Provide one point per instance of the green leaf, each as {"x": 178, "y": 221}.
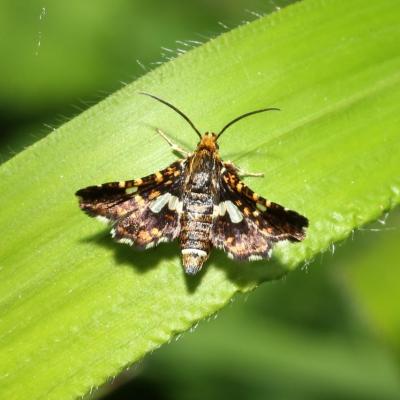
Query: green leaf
{"x": 77, "y": 308}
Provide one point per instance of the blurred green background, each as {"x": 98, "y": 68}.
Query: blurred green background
{"x": 329, "y": 330}
{"x": 59, "y": 58}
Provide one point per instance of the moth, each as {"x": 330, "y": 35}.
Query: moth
{"x": 199, "y": 199}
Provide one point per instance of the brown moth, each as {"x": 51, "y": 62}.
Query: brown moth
{"x": 199, "y": 199}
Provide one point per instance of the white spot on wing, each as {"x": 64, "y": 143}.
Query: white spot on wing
{"x": 125, "y": 240}
{"x": 261, "y": 207}
{"x": 234, "y": 213}
{"x": 100, "y": 218}
{"x": 131, "y": 190}
{"x": 113, "y": 232}
{"x": 179, "y": 207}
{"x": 157, "y": 205}
{"x": 173, "y": 203}
{"x": 255, "y": 257}
{"x": 222, "y": 209}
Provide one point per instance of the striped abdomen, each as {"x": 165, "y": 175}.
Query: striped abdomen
{"x": 197, "y": 211}
{"x": 196, "y": 224}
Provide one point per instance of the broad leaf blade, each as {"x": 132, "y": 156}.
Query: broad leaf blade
{"x": 77, "y": 308}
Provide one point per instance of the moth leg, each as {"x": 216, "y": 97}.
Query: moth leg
{"x": 229, "y": 165}
{"x": 174, "y": 146}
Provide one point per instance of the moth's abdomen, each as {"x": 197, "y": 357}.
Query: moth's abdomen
{"x": 196, "y": 226}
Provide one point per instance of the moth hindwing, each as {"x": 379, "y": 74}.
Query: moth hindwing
{"x": 200, "y": 200}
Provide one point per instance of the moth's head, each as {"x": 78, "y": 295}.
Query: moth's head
{"x": 208, "y": 142}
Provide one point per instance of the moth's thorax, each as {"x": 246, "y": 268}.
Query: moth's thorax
{"x": 203, "y": 167}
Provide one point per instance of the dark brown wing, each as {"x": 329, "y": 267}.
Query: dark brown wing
{"x": 248, "y": 225}
{"x": 143, "y": 228}
{"x": 144, "y": 211}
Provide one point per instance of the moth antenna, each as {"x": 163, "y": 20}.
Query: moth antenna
{"x": 175, "y": 109}
{"x": 244, "y": 116}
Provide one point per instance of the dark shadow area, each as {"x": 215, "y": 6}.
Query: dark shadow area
{"x": 240, "y": 273}
{"x": 243, "y": 273}
{"x": 142, "y": 388}
{"x": 145, "y": 260}
{"x": 193, "y": 281}
{"x": 142, "y": 260}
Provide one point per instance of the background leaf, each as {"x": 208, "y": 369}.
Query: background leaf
{"x": 63, "y": 57}
{"x": 77, "y": 308}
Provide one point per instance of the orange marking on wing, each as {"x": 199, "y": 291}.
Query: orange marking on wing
{"x": 159, "y": 177}
{"x": 155, "y": 232}
{"x": 138, "y": 182}
{"x": 139, "y": 200}
{"x": 144, "y": 236}
{"x": 154, "y": 194}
